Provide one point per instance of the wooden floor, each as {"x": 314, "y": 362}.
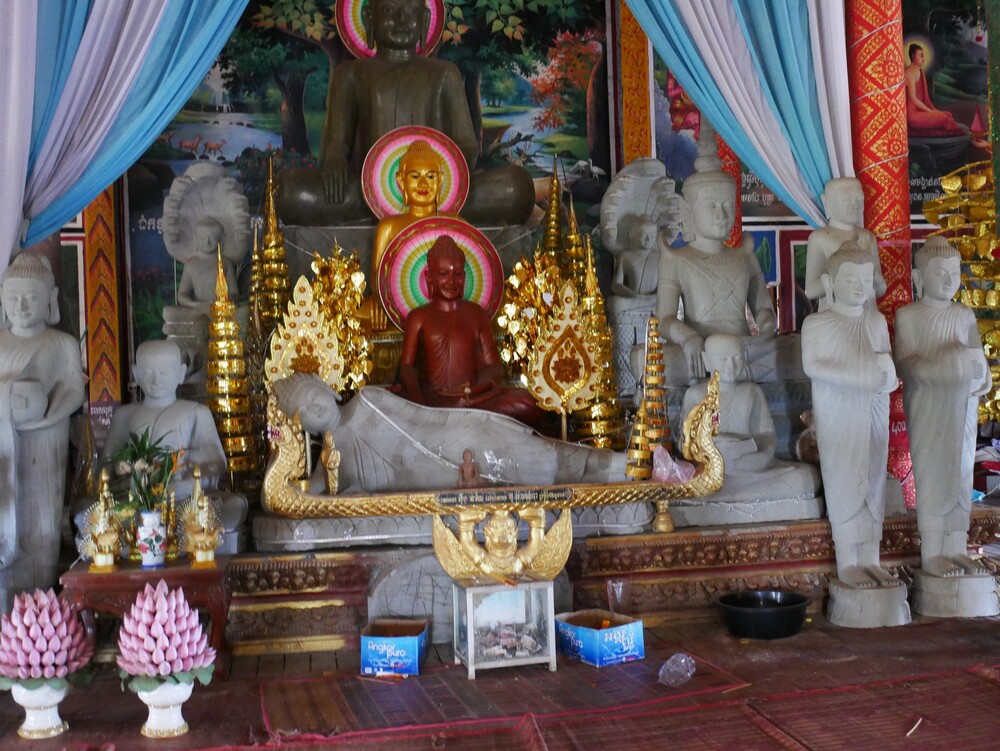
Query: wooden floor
{"x": 228, "y": 713}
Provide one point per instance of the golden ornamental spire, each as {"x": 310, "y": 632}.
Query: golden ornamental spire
{"x": 640, "y": 454}
{"x": 602, "y": 422}
{"x": 552, "y": 232}
{"x": 272, "y": 229}
{"x": 654, "y": 394}
{"x": 256, "y": 269}
{"x": 227, "y": 386}
{"x": 573, "y": 258}
{"x": 272, "y": 270}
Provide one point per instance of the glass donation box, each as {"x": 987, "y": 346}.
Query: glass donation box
{"x": 499, "y": 625}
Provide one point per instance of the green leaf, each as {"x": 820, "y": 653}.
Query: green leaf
{"x": 457, "y": 13}
{"x": 143, "y": 683}
{"x": 491, "y": 16}
{"x": 497, "y": 25}
{"x": 204, "y": 674}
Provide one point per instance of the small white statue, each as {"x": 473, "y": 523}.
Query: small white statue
{"x": 844, "y": 203}
{"x": 176, "y": 423}
{"x": 204, "y": 211}
{"x": 389, "y": 443}
{"x": 41, "y": 385}
{"x": 633, "y": 285}
{"x": 197, "y": 285}
{"x": 747, "y": 439}
{"x": 845, "y": 351}
{"x": 641, "y": 203}
{"x": 944, "y": 371}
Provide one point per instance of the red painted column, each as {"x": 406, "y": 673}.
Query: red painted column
{"x": 878, "y": 126}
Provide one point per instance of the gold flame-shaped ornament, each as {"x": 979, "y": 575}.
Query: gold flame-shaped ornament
{"x": 304, "y": 342}
{"x": 562, "y": 376}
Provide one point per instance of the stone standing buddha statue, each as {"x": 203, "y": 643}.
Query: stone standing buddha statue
{"x": 845, "y": 352}
{"x": 368, "y": 98}
{"x": 747, "y": 439}
{"x": 844, "y": 203}
{"x": 944, "y": 371}
{"x": 41, "y": 385}
{"x": 450, "y": 357}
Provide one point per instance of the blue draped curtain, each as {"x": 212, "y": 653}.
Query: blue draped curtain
{"x": 187, "y": 40}
{"x": 749, "y": 66}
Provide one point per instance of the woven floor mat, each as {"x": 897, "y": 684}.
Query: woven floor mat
{"x": 926, "y": 712}
{"x": 348, "y": 703}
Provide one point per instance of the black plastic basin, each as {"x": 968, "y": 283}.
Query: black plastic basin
{"x": 763, "y": 613}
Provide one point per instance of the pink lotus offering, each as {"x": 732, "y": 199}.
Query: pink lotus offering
{"x": 42, "y": 640}
{"x": 161, "y": 639}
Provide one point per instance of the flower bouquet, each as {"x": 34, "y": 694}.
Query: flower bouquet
{"x": 162, "y": 652}
{"x": 43, "y": 646}
{"x": 149, "y": 467}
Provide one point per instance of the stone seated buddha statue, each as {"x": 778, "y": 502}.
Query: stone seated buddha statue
{"x": 177, "y": 424}
{"x": 450, "y": 357}
{"x": 372, "y": 96}
{"x": 716, "y": 286}
{"x": 757, "y": 486}
{"x": 204, "y": 212}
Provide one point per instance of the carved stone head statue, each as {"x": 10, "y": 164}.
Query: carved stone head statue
{"x": 29, "y": 294}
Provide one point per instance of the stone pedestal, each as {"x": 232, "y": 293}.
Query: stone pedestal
{"x": 867, "y": 608}
{"x": 955, "y": 597}
{"x": 702, "y": 512}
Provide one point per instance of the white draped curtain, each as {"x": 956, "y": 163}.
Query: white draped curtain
{"x": 17, "y": 84}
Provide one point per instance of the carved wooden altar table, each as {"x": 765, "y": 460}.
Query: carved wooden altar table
{"x": 206, "y": 589}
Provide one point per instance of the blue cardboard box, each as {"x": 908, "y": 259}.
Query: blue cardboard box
{"x": 599, "y": 637}
{"x": 391, "y": 646}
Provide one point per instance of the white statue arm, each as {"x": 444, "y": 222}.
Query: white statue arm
{"x": 618, "y": 286}
{"x": 668, "y": 300}
{"x": 757, "y": 295}
{"x": 875, "y": 372}
{"x": 205, "y": 450}
{"x": 815, "y": 266}
{"x": 950, "y": 363}
{"x": 118, "y": 433}
{"x": 67, "y": 394}
{"x": 185, "y": 290}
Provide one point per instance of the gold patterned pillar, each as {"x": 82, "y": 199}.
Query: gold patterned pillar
{"x": 635, "y": 118}
{"x": 878, "y": 126}
{"x": 101, "y": 274}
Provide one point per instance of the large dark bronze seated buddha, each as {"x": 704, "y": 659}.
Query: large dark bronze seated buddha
{"x": 370, "y": 97}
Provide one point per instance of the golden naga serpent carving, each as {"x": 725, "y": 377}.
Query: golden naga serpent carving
{"x": 545, "y": 553}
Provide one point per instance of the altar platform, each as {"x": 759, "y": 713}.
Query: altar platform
{"x": 319, "y": 601}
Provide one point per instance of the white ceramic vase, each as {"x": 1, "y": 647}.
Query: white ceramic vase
{"x": 41, "y": 711}
{"x": 165, "y": 719}
{"x": 151, "y": 538}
